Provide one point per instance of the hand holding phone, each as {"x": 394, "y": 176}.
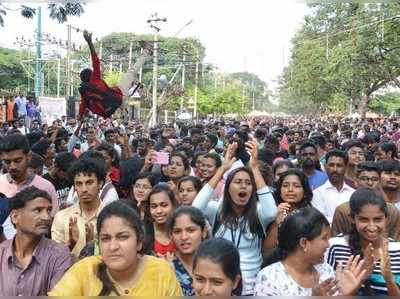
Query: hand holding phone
{"x": 161, "y": 158}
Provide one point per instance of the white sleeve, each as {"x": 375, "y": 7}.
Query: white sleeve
{"x": 204, "y": 203}
{"x": 266, "y": 207}
{"x": 110, "y": 196}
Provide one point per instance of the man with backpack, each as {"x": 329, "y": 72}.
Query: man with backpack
{"x": 96, "y": 95}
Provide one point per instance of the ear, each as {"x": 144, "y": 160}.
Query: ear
{"x": 101, "y": 184}
{"x": 14, "y": 216}
{"x": 303, "y": 243}
{"x": 236, "y": 281}
{"x": 204, "y": 233}
{"x": 29, "y": 156}
{"x": 139, "y": 246}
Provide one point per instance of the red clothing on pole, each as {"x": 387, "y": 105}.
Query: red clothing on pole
{"x": 93, "y": 101}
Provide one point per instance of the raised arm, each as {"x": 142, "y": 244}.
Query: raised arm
{"x": 205, "y": 194}
{"x": 95, "y": 60}
{"x": 251, "y": 145}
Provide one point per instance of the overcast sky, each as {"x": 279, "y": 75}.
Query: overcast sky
{"x": 239, "y": 35}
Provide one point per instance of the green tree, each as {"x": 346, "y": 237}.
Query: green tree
{"x": 344, "y": 51}
{"x": 58, "y": 11}
{"x": 12, "y": 74}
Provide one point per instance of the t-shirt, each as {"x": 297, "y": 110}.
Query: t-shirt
{"x": 164, "y": 248}
{"x": 62, "y": 188}
{"x": 340, "y": 251}
{"x": 274, "y": 280}
{"x": 317, "y": 179}
{"x": 157, "y": 279}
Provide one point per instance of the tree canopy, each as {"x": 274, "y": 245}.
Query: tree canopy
{"x": 343, "y": 54}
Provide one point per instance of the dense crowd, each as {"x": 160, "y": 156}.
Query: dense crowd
{"x": 263, "y": 206}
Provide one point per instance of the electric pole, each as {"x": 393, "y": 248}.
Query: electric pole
{"x": 154, "y": 23}
{"x": 38, "y": 68}
{"x": 196, "y": 82}
{"x": 68, "y": 61}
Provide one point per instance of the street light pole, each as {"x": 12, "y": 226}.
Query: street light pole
{"x": 38, "y": 68}
{"x": 196, "y": 82}
{"x": 154, "y": 21}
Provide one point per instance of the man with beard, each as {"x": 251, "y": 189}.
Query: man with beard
{"x": 30, "y": 263}
{"x": 307, "y": 160}
{"x": 15, "y": 153}
{"x": 355, "y": 152}
{"x": 390, "y": 181}
{"x": 335, "y": 191}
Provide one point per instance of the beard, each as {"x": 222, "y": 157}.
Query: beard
{"x": 308, "y": 163}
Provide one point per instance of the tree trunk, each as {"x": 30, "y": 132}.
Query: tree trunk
{"x": 362, "y": 109}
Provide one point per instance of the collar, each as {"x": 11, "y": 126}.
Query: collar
{"x": 76, "y": 210}
{"x": 328, "y": 185}
{"x": 28, "y": 180}
{"x": 36, "y": 255}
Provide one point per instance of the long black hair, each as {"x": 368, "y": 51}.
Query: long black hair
{"x": 306, "y": 223}
{"x": 148, "y": 243}
{"x": 223, "y": 253}
{"x": 360, "y": 198}
{"x": 127, "y": 212}
{"x": 228, "y": 216}
{"x": 308, "y": 194}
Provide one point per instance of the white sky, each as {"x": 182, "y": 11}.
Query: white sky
{"x": 239, "y": 35}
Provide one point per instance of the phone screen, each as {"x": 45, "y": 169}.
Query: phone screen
{"x": 162, "y": 158}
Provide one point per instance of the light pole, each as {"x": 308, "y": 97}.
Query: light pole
{"x": 38, "y": 68}
{"x": 154, "y": 23}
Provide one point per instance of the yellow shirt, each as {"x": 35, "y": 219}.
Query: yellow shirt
{"x": 60, "y": 227}
{"x": 157, "y": 279}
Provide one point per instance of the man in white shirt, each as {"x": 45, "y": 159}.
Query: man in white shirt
{"x": 335, "y": 191}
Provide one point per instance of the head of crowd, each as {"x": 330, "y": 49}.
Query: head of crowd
{"x": 263, "y": 206}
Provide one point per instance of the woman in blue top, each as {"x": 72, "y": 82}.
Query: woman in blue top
{"x": 244, "y": 212}
{"x": 188, "y": 228}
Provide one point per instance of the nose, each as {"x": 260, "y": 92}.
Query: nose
{"x": 45, "y": 215}
{"x": 114, "y": 245}
{"x": 371, "y": 226}
{"x": 207, "y": 290}
{"x": 184, "y": 235}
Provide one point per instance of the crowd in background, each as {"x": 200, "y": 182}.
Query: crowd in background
{"x": 262, "y": 206}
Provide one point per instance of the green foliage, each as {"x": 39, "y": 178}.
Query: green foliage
{"x": 11, "y": 71}
{"x": 58, "y": 11}
{"x": 343, "y": 51}
{"x": 386, "y": 103}
{"x": 112, "y": 78}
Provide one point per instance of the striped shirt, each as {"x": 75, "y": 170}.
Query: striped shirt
{"x": 340, "y": 251}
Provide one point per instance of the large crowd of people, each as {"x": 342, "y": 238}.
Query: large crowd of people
{"x": 260, "y": 206}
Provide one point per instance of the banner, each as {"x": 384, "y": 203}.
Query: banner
{"x": 52, "y": 108}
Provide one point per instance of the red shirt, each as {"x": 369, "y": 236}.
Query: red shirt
{"x": 92, "y": 101}
{"x": 163, "y": 249}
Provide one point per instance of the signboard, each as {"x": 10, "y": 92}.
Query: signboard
{"x": 52, "y": 108}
